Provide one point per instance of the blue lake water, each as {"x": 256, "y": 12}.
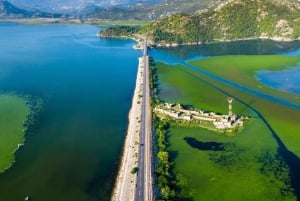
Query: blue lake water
{"x": 87, "y": 84}
{"x": 286, "y": 80}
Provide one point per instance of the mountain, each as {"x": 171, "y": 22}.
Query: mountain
{"x": 67, "y": 6}
{"x": 154, "y": 11}
{"x": 117, "y": 9}
{"x": 8, "y": 10}
{"x": 112, "y": 9}
{"x": 231, "y": 20}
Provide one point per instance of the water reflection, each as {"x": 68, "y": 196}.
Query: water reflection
{"x": 251, "y": 47}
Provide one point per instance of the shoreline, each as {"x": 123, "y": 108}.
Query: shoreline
{"x": 215, "y": 41}
{"x": 170, "y": 45}
{"x": 73, "y": 21}
{"x": 124, "y": 187}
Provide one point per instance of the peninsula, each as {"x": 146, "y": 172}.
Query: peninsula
{"x": 230, "y": 21}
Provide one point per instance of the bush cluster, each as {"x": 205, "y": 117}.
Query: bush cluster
{"x": 165, "y": 180}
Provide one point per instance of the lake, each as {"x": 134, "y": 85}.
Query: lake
{"x": 87, "y": 84}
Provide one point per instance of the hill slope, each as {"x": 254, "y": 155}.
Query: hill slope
{"x": 147, "y": 11}
{"x": 233, "y": 20}
{"x": 67, "y": 6}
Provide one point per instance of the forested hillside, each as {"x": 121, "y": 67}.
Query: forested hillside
{"x": 237, "y": 19}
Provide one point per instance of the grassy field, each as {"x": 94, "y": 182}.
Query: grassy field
{"x": 242, "y": 69}
{"x": 13, "y": 111}
{"x": 238, "y": 173}
{"x": 246, "y": 170}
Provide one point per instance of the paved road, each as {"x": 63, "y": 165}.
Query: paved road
{"x": 144, "y": 176}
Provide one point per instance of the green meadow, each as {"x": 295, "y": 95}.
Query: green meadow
{"x": 178, "y": 85}
{"x": 242, "y": 69}
{"x": 188, "y": 90}
{"x": 249, "y": 167}
{"x": 13, "y": 112}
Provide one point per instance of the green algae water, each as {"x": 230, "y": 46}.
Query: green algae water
{"x": 13, "y": 112}
{"x": 87, "y": 85}
{"x": 256, "y": 164}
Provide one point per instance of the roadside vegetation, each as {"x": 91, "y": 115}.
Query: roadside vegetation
{"x": 165, "y": 179}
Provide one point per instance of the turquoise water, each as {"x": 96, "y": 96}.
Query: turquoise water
{"x": 87, "y": 84}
